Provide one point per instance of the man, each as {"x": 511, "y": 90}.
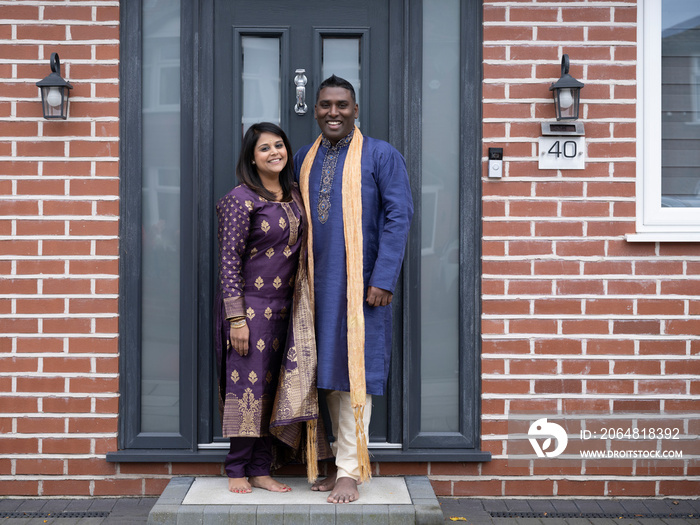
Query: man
{"x": 359, "y": 208}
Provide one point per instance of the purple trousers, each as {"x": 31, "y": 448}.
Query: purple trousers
{"x": 249, "y": 456}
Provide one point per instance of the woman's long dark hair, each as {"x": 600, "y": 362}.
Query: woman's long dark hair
{"x": 248, "y": 174}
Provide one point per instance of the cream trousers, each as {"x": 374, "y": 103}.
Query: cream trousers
{"x": 343, "y": 422}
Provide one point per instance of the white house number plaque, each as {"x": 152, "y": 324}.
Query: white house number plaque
{"x": 562, "y": 153}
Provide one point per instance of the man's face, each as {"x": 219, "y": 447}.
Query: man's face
{"x": 335, "y": 113}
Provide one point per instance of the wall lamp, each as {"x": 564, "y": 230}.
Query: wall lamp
{"x": 54, "y": 92}
{"x": 566, "y": 93}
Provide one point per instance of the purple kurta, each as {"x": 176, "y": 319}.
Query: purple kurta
{"x": 259, "y": 243}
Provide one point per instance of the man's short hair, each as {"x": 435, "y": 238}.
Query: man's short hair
{"x": 334, "y": 81}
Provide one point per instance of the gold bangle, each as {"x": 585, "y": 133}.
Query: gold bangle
{"x": 238, "y": 323}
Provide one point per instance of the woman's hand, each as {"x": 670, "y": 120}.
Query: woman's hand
{"x": 239, "y": 339}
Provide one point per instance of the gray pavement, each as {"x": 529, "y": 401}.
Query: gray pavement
{"x": 88, "y": 511}
{"x": 502, "y": 511}
{"x": 496, "y": 511}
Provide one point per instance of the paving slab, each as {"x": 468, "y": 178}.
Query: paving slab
{"x": 518, "y": 505}
{"x": 634, "y": 506}
{"x": 611, "y": 506}
{"x": 659, "y": 506}
{"x": 383, "y": 501}
{"x": 377, "y": 491}
{"x": 239, "y": 514}
{"x": 296, "y": 514}
{"x": 542, "y": 505}
{"x": 81, "y": 505}
{"x": 495, "y": 505}
{"x": 321, "y": 514}
{"x": 464, "y": 509}
{"x": 565, "y": 505}
{"x": 55, "y": 505}
{"x": 30, "y": 506}
{"x": 589, "y": 506}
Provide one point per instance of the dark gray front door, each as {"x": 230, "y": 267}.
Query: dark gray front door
{"x": 258, "y": 47}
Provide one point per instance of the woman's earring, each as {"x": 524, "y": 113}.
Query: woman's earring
{"x": 253, "y": 163}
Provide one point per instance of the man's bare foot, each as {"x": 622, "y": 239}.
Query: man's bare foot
{"x": 344, "y": 491}
{"x": 268, "y": 483}
{"x": 239, "y": 485}
{"x": 324, "y": 485}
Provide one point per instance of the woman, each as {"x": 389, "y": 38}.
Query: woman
{"x": 265, "y": 338}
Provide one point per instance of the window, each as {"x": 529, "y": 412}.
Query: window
{"x": 668, "y": 170}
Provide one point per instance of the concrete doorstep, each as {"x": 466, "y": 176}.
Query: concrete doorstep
{"x": 383, "y": 501}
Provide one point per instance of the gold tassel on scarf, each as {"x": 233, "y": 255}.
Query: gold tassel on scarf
{"x": 352, "y": 227}
{"x": 311, "y": 451}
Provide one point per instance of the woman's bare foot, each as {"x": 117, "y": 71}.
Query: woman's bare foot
{"x": 268, "y": 483}
{"x": 324, "y": 485}
{"x": 239, "y": 485}
{"x": 344, "y": 491}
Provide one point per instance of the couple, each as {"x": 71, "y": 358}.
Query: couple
{"x": 307, "y": 273}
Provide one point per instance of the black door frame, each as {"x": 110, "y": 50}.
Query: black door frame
{"x": 236, "y": 20}
{"x": 197, "y": 157}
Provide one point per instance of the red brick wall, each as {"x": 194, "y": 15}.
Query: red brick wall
{"x": 574, "y": 316}
{"x": 59, "y": 212}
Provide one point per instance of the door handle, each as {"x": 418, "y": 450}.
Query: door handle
{"x": 300, "y": 82}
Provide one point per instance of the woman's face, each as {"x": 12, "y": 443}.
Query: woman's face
{"x": 270, "y": 155}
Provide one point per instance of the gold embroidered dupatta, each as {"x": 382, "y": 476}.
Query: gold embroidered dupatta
{"x": 352, "y": 227}
{"x": 295, "y": 409}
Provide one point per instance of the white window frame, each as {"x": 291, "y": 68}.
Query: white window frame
{"x": 654, "y": 223}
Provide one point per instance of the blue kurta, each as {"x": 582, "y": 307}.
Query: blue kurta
{"x": 387, "y": 208}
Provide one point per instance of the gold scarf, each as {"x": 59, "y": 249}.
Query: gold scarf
{"x": 352, "y": 227}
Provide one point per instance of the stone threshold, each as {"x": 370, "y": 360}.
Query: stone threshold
{"x": 383, "y": 501}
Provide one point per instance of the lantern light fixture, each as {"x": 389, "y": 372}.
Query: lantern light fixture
{"x": 54, "y": 92}
{"x": 566, "y": 93}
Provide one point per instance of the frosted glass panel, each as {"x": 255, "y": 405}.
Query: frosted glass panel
{"x": 440, "y": 218}
{"x": 261, "y": 80}
{"x": 160, "y": 256}
{"x": 341, "y": 57}
{"x": 680, "y": 103}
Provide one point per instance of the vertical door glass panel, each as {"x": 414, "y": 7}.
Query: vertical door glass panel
{"x": 341, "y": 57}
{"x": 680, "y": 103}
{"x": 261, "y": 80}
{"x": 160, "y": 259}
{"x": 440, "y": 217}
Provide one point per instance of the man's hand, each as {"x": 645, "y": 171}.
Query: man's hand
{"x": 378, "y": 297}
{"x": 239, "y": 339}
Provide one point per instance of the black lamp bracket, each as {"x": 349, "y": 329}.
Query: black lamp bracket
{"x": 55, "y": 63}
